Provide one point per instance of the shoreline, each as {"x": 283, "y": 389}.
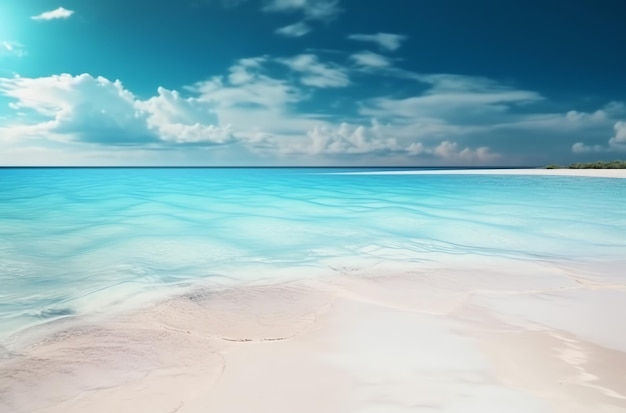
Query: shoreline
{"x": 361, "y": 340}
{"x": 590, "y": 173}
{"x": 490, "y": 304}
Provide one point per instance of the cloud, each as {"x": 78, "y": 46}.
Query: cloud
{"x": 8, "y": 48}
{"x": 317, "y": 74}
{"x": 380, "y": 140}
{"x": 312, "y": 9}
{"x": 258, "y": 112}
{"x": 616, "y": 143}
{"x": 247, "y": 87}
{"x": 343, "y": 139}
{"x": 580, "y": 147}
{"x": 96, "y": 110}
{"x": 294, "y": 30}
{"x": 371, "y": 60}
{"x": 451, "y": 153}
{"x": 87, "y": 108}
{"x": 183, "y": 120}
{"x": 257, "y": 105}
{"x": 455, "y": 98}
{"x": 386, "y": 41}
{"x": 59, "y": 13}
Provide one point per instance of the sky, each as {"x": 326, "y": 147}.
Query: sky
{"x": 312, "y": 82}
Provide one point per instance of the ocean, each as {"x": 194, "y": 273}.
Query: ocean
{"x": 86, "y": 242}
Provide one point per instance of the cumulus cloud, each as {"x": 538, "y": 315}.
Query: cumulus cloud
{"x": 259, "y": 107}
{"x": 96, "y": 110}
{"x": 382, "y": 140}
{"x": 386, "y": 41}
{"x": 294, "y": 30}
{"x": 256, "y": 110}
{"x": 576, "y": 116}
{"x": 619, "y": 140}
{"x": 617, "y": 143}
{"x": 580, "y": 147}
{"x": 450, "y": 152}
{"x": 59, "y": 13}
{"x": 183, "y": 120}
{"x": 87, "y": 108}
{"x": 317, "y": 74}
{"x": 344, "y": 139}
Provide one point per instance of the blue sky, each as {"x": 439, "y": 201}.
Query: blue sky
{"x": 311, "y": 82}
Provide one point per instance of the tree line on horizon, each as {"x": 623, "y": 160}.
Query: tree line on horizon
{"x": 591, "y": 165}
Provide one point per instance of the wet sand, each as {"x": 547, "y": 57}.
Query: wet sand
{"x": 492, "y": 335}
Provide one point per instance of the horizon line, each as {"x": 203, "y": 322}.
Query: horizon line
{"x": 262, "y": 167}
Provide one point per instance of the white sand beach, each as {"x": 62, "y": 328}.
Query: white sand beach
{"x": 472, "y": 334}
{"x": 591, "y": 173}
{"x": 540, "y": 337}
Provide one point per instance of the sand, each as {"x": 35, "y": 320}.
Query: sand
{"x": 454, "y": 340}
{"x": 591, "y": 173}
{"x": 481, "y": 335}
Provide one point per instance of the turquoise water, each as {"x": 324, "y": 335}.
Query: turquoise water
{"x": 84, "y": 241}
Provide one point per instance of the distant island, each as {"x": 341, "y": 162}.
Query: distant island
{"x": 592, "y": 165}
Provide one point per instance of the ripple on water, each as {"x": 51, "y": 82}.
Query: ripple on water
{"x": 79, "y": 241}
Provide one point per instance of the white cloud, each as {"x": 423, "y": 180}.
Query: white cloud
{"x": 312, "y": 9}
{"x": 259, "y": 107}
{"x": 183, "y": 120}
{"x": 371, "y": 60}
{"x": 294, "y": 30}
{"x": 247, "y": 87}
{"x": 580, "y": 147}
{"x": 82, "y": 106}
{"x": 59, "y": 13}
{"x": 95, "y": 110}
{"x": 452, "y": 98}
{"x": 386, "y": 41}
{"x": 620, "y": 133}
{"x": 576, "y": 116}
{"x": 254, "y": 113}
{"x": 447, "y": 98}
{"x": 317, "y": 74}
{"x": 451, "y": 153}
{"x": 343, "y": 139}
{"x": 322, "y": 9}
{"x": 376, "y": 139}
{"x": 616, "y": 143}
{"x": 569, "y": 122}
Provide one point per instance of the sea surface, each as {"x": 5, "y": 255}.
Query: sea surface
{"x": 78, "y": 242}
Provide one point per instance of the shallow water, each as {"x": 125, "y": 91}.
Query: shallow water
{"x": 87, "y": 241}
